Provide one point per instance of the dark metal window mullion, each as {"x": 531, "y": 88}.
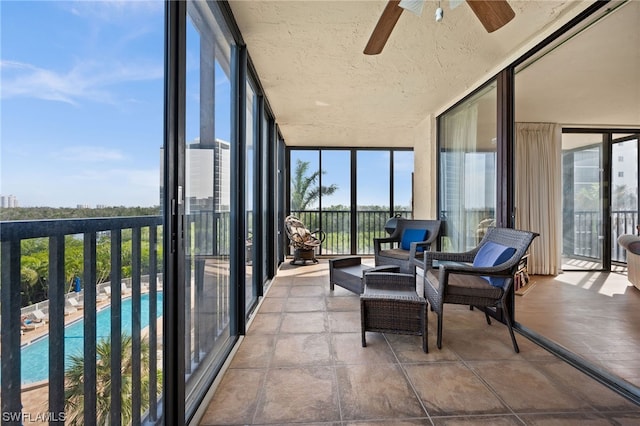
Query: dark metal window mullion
{"x": 173, "y": 270}
{"x": 238, "y": 189}
{"x": 354, "y": 202}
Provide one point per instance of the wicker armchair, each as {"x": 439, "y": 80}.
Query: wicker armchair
{"x": 390, "y": 250}
{"x": 390, "y": 304}
{"x": 303, "y": 241}
{"x": 485, "y": 285}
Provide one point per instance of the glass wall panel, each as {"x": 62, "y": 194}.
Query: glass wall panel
{"x": 468, "y": 170}
{"x": 250, "y": 214}
{"x": 323, "y": 181}
{"x": 624, "y": 187}
{"x": 207, "y": 194}
{"x": 403, "y": 182}
{"x": 373, "y": 197}
{"x": 336, "y": 201}
{"x": 304, "y": 187}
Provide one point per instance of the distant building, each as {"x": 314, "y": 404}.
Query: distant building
{"x": 83, "y": 206}
{"x": 8, "y": 201}
{"x": 101, "y": 206}
{"x": 208, "y": 176}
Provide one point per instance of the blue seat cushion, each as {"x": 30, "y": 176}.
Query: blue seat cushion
{"x": 493, "y": 254}
{"x": 412, "y": 235}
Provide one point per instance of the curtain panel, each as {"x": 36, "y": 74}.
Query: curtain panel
{"x": 538, "y": 193}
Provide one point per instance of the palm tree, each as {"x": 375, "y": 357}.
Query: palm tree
{"x": 305, "y": 189}
{"x": 74, "y": 383}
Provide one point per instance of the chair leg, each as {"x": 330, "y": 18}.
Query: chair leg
{"x": 513, "y": 337}
{"x": 488, "y": 317}
{"x": 425, "y": 344}
{"x": 363, "y": 321}
{"x": 440, "y": 330}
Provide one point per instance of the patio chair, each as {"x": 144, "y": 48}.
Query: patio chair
{"x": 409, "y": 240}
{"x": 38, "y": 316}
{"x": 303, "y": 241}
{"x": 479, "y": 278}
{"x": 73, "y": 302}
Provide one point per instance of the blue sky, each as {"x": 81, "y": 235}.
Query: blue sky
{"x": 372, "y": 175}
{"x": 81, "y": 86}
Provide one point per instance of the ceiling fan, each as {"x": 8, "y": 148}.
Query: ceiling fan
{"x": 493, "y": 14}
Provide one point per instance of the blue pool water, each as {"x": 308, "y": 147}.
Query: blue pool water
{"x": 35, "y": 357}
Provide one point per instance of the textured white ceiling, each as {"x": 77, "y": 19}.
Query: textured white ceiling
{"x": 324, "y": 91}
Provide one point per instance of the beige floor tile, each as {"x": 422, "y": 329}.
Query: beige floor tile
{"x": 564, "y": 419}
{"x": 597, "y": 395}
{"x": 305, "y": 304}
{"x": 344, "y": 322}
{"x": 505, "y": 420}
{"x": 307, "y": 290}
{"x": 255, "y": 351}
{"x": 343, "y": 303}
{"x": 302, "y": 349}
{"x": 450, "y": 388}
{"x": 304, "y": 322}
{"x": 278, "y": 291}
{"x": 348, "y": 349}
{"x": 295, "y": 395}
{"x": 272, "y": 304}
{"x": 381, "y": 392}
{"x": 408, "y": 349}
{"x": 236, "y": 399}
{"x": 265, "y": 324}
{"x": 527, "y": 389}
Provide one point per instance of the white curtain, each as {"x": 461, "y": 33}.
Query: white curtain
{"x": 538, "y": 172}
{"x": 460, "y": 138}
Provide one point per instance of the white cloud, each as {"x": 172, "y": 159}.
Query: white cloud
{"x": 89, "y": 154}
{"x": 85, "y": 81}
{"x": 114, "y": 10}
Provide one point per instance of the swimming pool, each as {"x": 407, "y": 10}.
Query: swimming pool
{"x": 35, "y": 357}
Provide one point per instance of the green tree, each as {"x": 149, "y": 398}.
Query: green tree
{"x": 74, "y": 382}
{"x": 305, "y": 189}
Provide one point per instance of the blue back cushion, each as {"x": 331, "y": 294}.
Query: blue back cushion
{"x": 493, "y": 254}
{"x": 412, "y": 235}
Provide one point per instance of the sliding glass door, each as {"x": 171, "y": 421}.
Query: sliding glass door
{"x": 582, "y": 201}
{"x": 624, "y": 191}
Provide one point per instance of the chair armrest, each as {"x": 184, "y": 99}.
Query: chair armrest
{"x": 319, "y": 235}
{"x": 381, "y": 240}
{"x": 430, "y": 256}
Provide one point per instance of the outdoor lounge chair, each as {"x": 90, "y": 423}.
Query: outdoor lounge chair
{"x": 73, "y": 302}
{"x": 479, "y": 278}
{"x": 303, "y": 241}
{"x": 409, "y": 240}
{"x": 38, "y": 316}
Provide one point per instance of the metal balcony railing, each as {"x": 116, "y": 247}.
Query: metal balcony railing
{"x": 12, "y": 234}
{"x": 337, "y": 226}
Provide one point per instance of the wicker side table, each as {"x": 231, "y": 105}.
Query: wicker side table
{"x": 390, "y": 304}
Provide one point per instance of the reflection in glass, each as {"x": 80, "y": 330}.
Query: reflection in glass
{"x": 207, "y": 195}
{"x": 468, "y": 170}
{"x": 250, "y": 213}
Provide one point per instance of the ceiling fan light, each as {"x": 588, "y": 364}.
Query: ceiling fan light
{"x": 413, "y": 6}
{"x": 439, "y": 14}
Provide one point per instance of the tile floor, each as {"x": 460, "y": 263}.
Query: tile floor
{"x": 302, "y": 363}
{"x": 593, "y": 314}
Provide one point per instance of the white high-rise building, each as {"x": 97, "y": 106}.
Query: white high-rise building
{"x": 8, "y": 201}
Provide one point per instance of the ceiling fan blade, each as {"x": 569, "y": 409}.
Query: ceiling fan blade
{"x": 383, "y": 28}
{"x": 493, "y": 14}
